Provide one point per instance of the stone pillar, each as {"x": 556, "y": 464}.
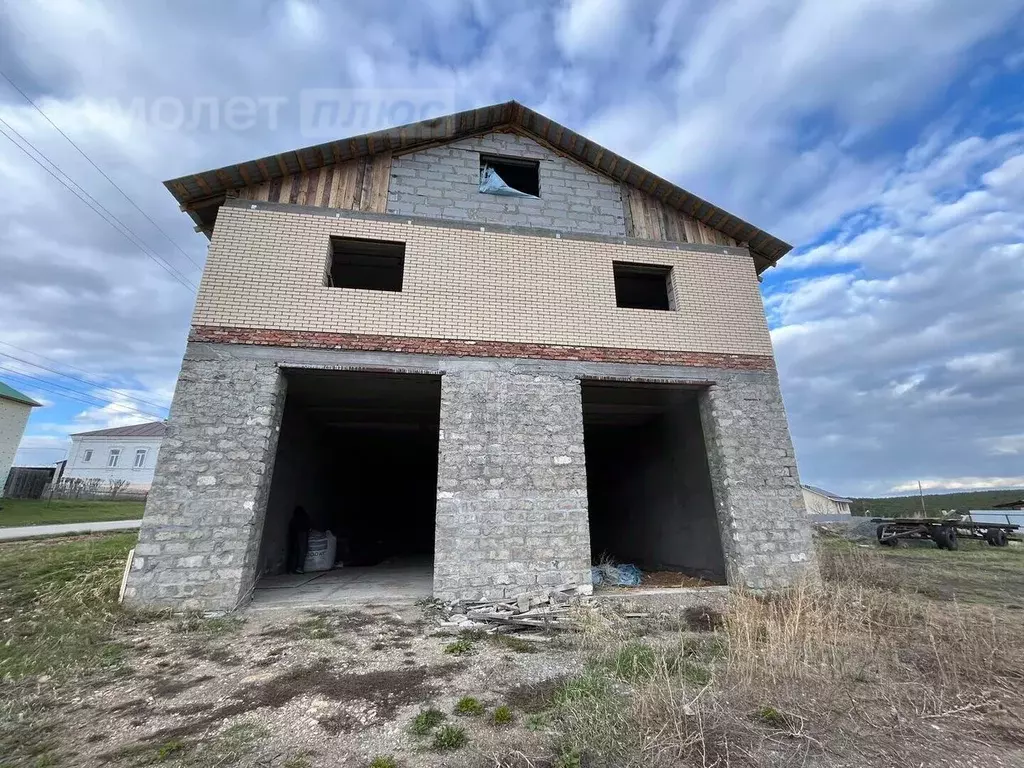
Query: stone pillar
{"x": 511, "y": 487}
{"x": 766, "y": 535}
{"x": 201, "y": 531}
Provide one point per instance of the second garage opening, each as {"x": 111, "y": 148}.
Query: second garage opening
{"x": 358, "y": 454}
{"x": 648, "y": 486}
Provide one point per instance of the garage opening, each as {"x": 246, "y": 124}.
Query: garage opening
{"x": 358, "y": 452}
{"x": 648, "y": 485}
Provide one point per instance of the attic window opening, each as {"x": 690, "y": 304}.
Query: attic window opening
{"x": 642, "y": 286}
{"x": 509, "y": 176}
{"x": 369, "y": 265}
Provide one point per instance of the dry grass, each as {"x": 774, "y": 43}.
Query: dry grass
{"x": 58, "y": 604}
{"x": 853, "y": 671}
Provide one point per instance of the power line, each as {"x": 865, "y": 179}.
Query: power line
{"x": 78, "y": 379}
{"x": 73, "y": 368}
{"x": 104, "y": 175}
{"x": 74, "y": 394}
{"x": 120, "y": 226}
{"x": 125, "y": 232}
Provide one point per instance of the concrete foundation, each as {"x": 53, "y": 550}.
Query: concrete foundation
{"x": 511, "y": 512}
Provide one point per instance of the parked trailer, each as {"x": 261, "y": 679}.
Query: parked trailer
{"x": 891, "y": 532}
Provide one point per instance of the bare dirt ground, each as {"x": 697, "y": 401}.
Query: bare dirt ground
{"x": 335, "y": 688}
{"x": 910, "y": 658}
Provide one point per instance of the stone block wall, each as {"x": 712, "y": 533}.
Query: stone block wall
{"x": 512, "y": 486}
{"x": 444, "y": 182}
{"x": 201, "y": 531}
{"x": 761, "y": 516}
{"x": 512, "y": 509}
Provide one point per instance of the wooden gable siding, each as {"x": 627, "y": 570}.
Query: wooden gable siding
{"x": 648, "y": 218}
{"x": 356, "y": 185}
{"x": 362, "y": 185}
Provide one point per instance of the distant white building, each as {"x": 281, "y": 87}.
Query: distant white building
{"x": 119, "y": 453}
{"x": 14, "y": 411}
{"x": 820, "y": 502}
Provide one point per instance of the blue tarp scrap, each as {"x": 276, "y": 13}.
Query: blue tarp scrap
{"x": 615, "y": 575}
{"x": 493, "y": 184}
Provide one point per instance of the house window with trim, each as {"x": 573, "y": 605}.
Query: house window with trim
{"x": 112, "y": 459}
{"x": 87, "y": 456}
{"x": 140, "y": 458}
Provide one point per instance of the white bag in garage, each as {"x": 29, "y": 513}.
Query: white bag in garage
{"x": 323, "y": 546}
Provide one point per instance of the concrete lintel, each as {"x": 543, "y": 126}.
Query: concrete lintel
{"x": 424, "y": 221}
{"x": 405, "y": 362}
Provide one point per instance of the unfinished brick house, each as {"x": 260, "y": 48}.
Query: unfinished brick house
{"x": 483, "y": 346}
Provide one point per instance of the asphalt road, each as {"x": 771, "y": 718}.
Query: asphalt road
{"x": 32, "y": 531}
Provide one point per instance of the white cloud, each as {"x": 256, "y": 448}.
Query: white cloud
{"x": 793, "y": 115}
{"x": 915, "y": 345}
{"x": 960, "y": 484}
{"x": 983, "y": 362}
{"x": 1004, "y": 444}
{"x": 590, "y": 28}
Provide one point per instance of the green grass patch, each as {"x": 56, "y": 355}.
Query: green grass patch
{"x": 169, "y": 749}
{"x": 693, "y": 672}
{"x": 426, "y": 721}
{"x": 771, "y": 716}
{"x": 19, "y": 512}
{"x": 449, "y": 737}
{"x": 512, "y": 643}
{"x": 216, "y": 625}
{"x": 459, "y": 647}
{"x": 467, "y": 705}
{"x": 58, "y": 603}
{"x": 502, "y": 715}
{"x": 634, "y": 661}
{"x": 383, "y": 761}
{"x": 538, "y": 721}
{"x": 591, "y": 686}
{"x": 568, "y": 758}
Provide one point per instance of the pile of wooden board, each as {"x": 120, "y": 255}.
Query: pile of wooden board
{"x": 548, "y": 611}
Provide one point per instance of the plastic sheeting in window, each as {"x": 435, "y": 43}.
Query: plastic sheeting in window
{"x": 492, "y": 184}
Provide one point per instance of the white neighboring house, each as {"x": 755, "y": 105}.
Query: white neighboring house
{"x": 14, "y": 411}
{"x": 820, "y": 502}
{"x": 119, "y": 453}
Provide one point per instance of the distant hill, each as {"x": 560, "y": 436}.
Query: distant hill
{"x": 910, "y": 506}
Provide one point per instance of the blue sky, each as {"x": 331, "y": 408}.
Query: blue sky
{"x": 884, "y": 140}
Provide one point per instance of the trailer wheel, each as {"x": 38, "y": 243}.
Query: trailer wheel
{"x": 879, "y": 531}
{"x": 951, "y": 542}
{"x": 996, "y": 537}
{"x": 939, "y": 537}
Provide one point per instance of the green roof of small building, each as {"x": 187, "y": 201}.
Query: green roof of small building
{"x": 10, "y": 393}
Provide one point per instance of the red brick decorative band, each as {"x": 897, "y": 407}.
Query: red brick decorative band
{"x": 458, "y": 348}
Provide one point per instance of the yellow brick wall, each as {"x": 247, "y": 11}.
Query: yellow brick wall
{"x": 266, "y": 270}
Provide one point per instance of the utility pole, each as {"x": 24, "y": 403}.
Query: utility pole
{"x": 920, "y": 492}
